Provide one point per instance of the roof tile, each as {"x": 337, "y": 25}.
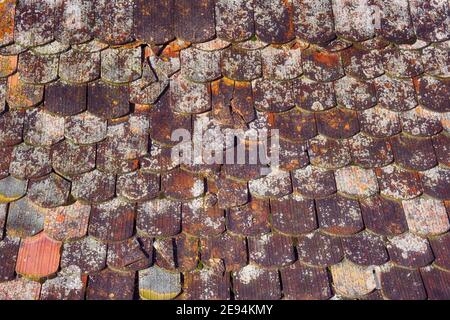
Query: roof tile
{"x": 110, "y": 285}
{"x": 79, "y": 67}
{"x": 65, "y": 99}
{"x": 199, "y": 65}
{"x": 402, "y": 284}
{"x": 107, "y": 101}
{"x": 87, "y": 253}
{"x": 356, "y": 181}
{"x": 314, "y": 20}
{"x": 273, "y": 21}
{"x": 338, "y": 123}
{"x": 322, "y": 66}
{"x": 127, "y": 256}
{"x": 271, "y": 250}
{"x": 194, "y": 21}
{"x": 202, "y": 217}
{"x": 241, "y": 65}
{"x": 398, "y": 183}
{"x": 441, "y": 250}
{"x": 121, "y": 65}
{"x": 352, "y": 280}
{"x": 114, "y": 21}
{"x": 251, "y": 219}
{"x": 433, "y": 92}
{"x": 436, "y": 182}
{"x": 410, "y": 250}
{"x": 159, "y": 217}
{"x": 430, "y": 20}
{"x": 25, "y": 218}
{"x": 189, "y": 97}
{"x": 74, "y": 21}
{"x": 329, "y": 153}
{"x": 379, "y": 122}
{"x": 37, "y": 69}
{"x": 21, "y": 94}
{"x": 153, "y": 20}
{"x": 355, "y": 94}
{"x": 253, "y": 282}
{"x": 365, "y": 249}
{"x": 437, "y": 283}
{"x": 7, "y": 10}
{"x": 319, "y": 249}
{"x": 413, "y": 153}
{"x": 207, "y": 284}
{"x": 71, "y": 159}
{"x": 20, "y": 289}
{"x": 352, "y": 20}
{"x": 158, "y": 284}
{"x": 314, "y": 182}
{"x": 50, "y": 191}
{"x": 69, "y": 222}
{"x": 234, "y": 20}
{"x": 395, "y": 94}
{"x": 93, "y": 186}
{"x": 362, "y": 64}
{"x": 426, "y": 216}
{"x": 68, "y": 285}
{"x": 370, "y": 152}
{"x": 229, "y": 248}
{"x": 12, "y": 189}
{"x": 9, "y": 249}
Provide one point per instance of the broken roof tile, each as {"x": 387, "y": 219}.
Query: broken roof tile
{"x": 293, "y": 215}
{"x": 110, "y": 285}
{"x": 322, "y": 66}
{"x": 112, "y": 220}
{"x": 50, "y": 191}
{"x": 357, "y": 182}
{"x": 365, "y": 249}
{"x": 9, "y": 248}
{"x": 301, "y": 282}
{"x": 67, "y": 285}
{"x": 12, "y": 189}
{"x": 194, "y": 21}
{"x": 34, "y": 22}
{"x": 79, "y": 67}
{"x": 127, "y": 256}
{"x": 234, "y": 20}
{"x": 271, "y": 250}
{"x": 253, "y": 282}
{"x": 64, "y": 99}
{"x": 93, "y": 186}
{"x": 402, "y": 284}
{"x": 88, "y": 254}
{"x": 38, "y": 256}
{"x": 339, "y": 215}
{"x": 229, "y": 248}
{"x": 383, "y": 216}
{"x": 426, "y": 216}
{"x": 20, "y": 289}
{"x": 67, "y": 222}
{"x": 351, "y": 280}
{"x": 410, "y": 250}
{"x": 158, "y": 284}
{"x": 251, "y": 219}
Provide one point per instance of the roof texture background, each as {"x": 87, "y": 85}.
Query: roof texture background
{"x": 91, "y": 205}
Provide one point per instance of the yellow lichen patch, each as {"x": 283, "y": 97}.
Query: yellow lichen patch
{"x": 7, "y": 11}
{"x": 8, "y": 65}
{"x": 4, "y": 199}
{"x": 153, "y": 295}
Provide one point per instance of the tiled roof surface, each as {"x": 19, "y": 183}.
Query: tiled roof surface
{"x": 91, "y": 205}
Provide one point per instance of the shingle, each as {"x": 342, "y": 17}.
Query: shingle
{"x": 353, "y": 20}
{"x": 292, "y": 155}
{"x": 273, "y": 20}
{"x": 70, "y": 159}
{"x": 437, "y": 61}
{"x": 93, "y": 186}
{"x": 271, "y": 250}
{"x": 87, "y": 253}
{"x": 362, "y": 64}
{"x": 38, "y": 256}
{"x": 50, "y": 191}
{"x": 402, "y": 63}
{"x": 294, "y": 125}
{"x": 426, "y": 216}
{"x": 23, "y": 95}
{"x": 158, "y": 284}
{"x": 65, "y": 99}
{"x": 121, "y": 65}
{"x": 127, "y": 256}
{"x": 379, "y": 122}
{"x": 79, "y": 67}
{"x": 436, "y": 182}
{"x": 357, "y": 182}
{"x": 25, "y": 219}
{"x": 314, "y": 96}
{"x": 68, "y": 285}
{"x": 339, "y": 215}
{"x": 338, "y": 123}
{"x": 74, "y": 21}
{"x": 30, "y": 162}
{"x": 395, "y": 23}
{"x": 85, "y": 128}
{"x": 8, "y": 65}
{"x": 319, "y": 249}
{"x": 421, "y": 122}
{"x": 413, "y": 153}
{"x": 293, "y": 215}
{"x": 301, "y": 282}
{"x": 229, "y": 248}
{"x": 322, "y": 66}
{"x": 251, "y": 219}
{"x": 67, "y": 222}
{"x": 234, "y": 20}
{"x": 383, "y": 216}
{"x": 370, "y": 152}
{"x": 437, "y": 283}
{"x": 314, "y": 20}
{"x": 34, "y": 23}
{"x": 328, "y": 153}
{"x": 365, "y": 249}
{"x": 9, "y": 248}
{"x": 398, "y": 183}
{"x": 207, "y": 284}
{"x": 114, "y": 21}
{"x": 402, "y": 284}
{"x": 441, "y": 144}
{"x": 351, "y": 280}
{"x": 194, "y": 21}
{"x": 189, "y": 97}
{"x": 253, "y": 282}
{"x": 395, "y": 94}
{"x": 182, "y": 185}
{"x": 111, "y": 285}
{"x": 153, "y": 20}
{"x": 37, "y": 69}
{"x": 432, "y": 93}
{"x": 50, "y": 49}
{"x": 241, "y": 65}
{"x": 199, "y": 65}
{"x": 20, "y": 289}
{"x": 43, "y": 128}
{"x": 7, "y": 11}
{"x": 410, "y": 251}
{"x": 231, "y": 193}
{"x": 430, "y": 20}
{"x": 107, "y": 101}
{"x": 202, "y": 217}
{"x": 112, "y": 220}
{"x": 314, "y": 182}
{"x": 12, "y": 189}
{"x": 441, "y": 250}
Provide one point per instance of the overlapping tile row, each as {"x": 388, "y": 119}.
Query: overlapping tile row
{"x": 92, "y": 206}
